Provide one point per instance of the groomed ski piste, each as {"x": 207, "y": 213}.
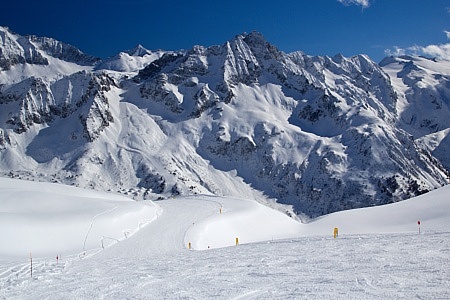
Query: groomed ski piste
{"x": 61, "y": 242}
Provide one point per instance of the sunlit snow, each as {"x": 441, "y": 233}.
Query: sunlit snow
{"x": 378, "y": 254}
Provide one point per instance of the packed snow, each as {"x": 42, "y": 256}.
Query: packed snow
{"x": 378, "y": 253}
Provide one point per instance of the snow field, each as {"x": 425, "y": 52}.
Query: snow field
{"x": 378, "y": 254}
{"x": 388, "y": 266}
{"x": 49, "y": 219}
{"x": 246, "y": 220}
{"x": 251, "y": 222}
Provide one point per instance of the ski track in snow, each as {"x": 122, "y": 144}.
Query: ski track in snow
{"x": 92, "y": 224}
{"x": 155, "y": 264}
{"x": 365, "y": 267}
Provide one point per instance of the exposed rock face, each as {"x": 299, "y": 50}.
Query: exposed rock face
{"x": 63, "y": 51}
{"x": 319, "y": 133}
{"x": 16, "y": 49}
{"x": 39, "y": 102}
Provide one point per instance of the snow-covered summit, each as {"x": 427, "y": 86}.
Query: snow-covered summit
{"x": 138, "y": 50}
{"x": 131, "y": 60}
{"x": 240, "y": 119}
{"x": 16, "y": 49}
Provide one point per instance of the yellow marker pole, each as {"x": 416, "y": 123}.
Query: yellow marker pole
{"x": 336, "y": 232}
{"x": 221, "y": 210}
{"x": 189, "y": 245}
{"x": 237, "y": 241}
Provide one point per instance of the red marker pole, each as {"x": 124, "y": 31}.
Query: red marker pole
{"x": 418, "y": 223}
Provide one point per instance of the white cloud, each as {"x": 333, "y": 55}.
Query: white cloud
{"x": 441, "y": 51}
{"x": 438, "y": 51}
{"x": 363, "y": 3}
{"x": 397, "y": 51}
{"x": 447, "y": 33}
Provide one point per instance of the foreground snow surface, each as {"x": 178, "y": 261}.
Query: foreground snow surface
{"x": 379, "y": 253}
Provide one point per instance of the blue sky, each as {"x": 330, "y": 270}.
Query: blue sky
{"x": 316, "y": 27}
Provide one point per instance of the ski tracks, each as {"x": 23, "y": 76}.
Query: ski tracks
{"x": 92, "y": 224}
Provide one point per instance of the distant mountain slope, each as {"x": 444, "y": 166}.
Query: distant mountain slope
{"x": 240, "y": 119}
{"x": 423, "y": 86}
{"x": 130, "y": 61}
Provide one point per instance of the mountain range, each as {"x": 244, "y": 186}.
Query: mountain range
{"x": 317, "y": 134}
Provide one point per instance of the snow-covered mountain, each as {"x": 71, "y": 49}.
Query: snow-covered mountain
{"x": 423, "y": 86}
{"x": 16, "y": 49}
{"x": 130, "y": 61}
{"x": 240, "y": 119}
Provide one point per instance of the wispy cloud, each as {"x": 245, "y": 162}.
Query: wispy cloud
{"x": 363, "y": 3}
{"x": 447, "y": 33}
{"x": 441, "y": 51}
{"x": 438, "y": 51}
{"x": 396, "y": 51}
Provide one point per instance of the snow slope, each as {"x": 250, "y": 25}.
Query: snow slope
{"x": 423, "y": 90}
{"x": 378, "y": 254}
{"x": 49, "y": 219}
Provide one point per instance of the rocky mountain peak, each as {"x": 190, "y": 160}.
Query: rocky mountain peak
{"x": 319, "y": 133}
{"x": 63, "y": 51}
{"x": 139, "y": 50}
{"x": 16, "y": 49}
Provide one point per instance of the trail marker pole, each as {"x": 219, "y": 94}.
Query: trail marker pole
{"x": 237, "y": 241}
{"x": 31, "y": 265}
{"x": 57, "y": 258}
{"x": 336, "y": 232}
{"x": 418, "y": 223}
